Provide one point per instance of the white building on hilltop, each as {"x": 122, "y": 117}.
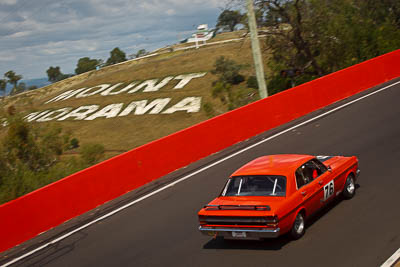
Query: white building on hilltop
{"x": 202, "y": 35}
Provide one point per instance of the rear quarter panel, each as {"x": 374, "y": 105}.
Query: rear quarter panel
{"x": 292, "y": 205}
{"x": 288, "y": 212}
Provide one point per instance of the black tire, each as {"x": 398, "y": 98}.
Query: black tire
{"x": 299, "y": 226}
{"x": 349, "y": 189}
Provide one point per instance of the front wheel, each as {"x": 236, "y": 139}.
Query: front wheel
{"x": 299, "y": 227}
{"x": 349, "y": 188}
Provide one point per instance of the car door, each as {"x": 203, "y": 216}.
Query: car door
{"x": 325, "y": 181}
{"x": 308, "y": 187}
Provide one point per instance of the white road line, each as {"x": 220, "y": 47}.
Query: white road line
{"x": 392, "y": 259}
{"x": 192, "y": 174}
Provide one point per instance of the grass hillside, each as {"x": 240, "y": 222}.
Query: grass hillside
{"x": 119, "y": 134}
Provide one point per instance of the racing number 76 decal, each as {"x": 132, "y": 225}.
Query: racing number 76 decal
{"x": 329, "y": 188}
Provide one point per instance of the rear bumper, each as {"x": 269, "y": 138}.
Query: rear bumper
{"x": 237, "y": 233}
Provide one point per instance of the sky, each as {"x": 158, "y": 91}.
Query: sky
{"x": 37, "y": 34}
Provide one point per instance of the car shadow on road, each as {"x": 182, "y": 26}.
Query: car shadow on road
{"x": 265, "y": 244}
{"x": 270, "y": 244}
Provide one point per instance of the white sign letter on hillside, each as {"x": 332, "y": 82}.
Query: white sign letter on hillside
{"x": 151, "y": 85}
{"x": 86, "y": 94}
{"x": 33, "y": 116}
{"x": 65, "y": 95}
{"x": 61, "y": 111}
{"x": 109, "y": 111}
{"x": 78, "y": 114}
{"x": 141, "y": 108}
{"x": 190, "y": 104}
{"x": 186, "y": 78}
{"x": 126, "y": 88}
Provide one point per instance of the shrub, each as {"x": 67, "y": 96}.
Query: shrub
{"x": 278, "y": 84}
{"x": 219, "y": 88}
{"x": 74, "y": 143}
{"x": 208, "y": 109}
{"x": 252, "y": 82}
{"x": 92, "y": 153}
{"x": 238, "y": 79}
{"x": 228, "y": 71}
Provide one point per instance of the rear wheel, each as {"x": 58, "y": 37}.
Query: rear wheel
{"x": 299, "y": 226}
{"x": 350, "y": 187}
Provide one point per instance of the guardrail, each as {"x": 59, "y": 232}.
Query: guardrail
{"x": 34, "y": 213}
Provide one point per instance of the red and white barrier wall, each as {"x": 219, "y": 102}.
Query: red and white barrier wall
{"x": 27, "y": 216}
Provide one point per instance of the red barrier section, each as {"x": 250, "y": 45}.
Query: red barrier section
{"x": 56, "y": 203}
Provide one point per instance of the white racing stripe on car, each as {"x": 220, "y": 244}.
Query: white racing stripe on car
{"x": 192, "y": 174}
{"x": 392, "y": 260}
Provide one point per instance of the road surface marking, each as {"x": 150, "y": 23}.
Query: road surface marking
{"x": 392, "y": 260}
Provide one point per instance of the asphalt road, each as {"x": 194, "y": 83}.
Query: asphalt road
{"x": 363, "y": 231}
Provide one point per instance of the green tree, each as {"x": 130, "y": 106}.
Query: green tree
{"x": 21, "y": 87}
{"x": 86, "y": 64}
{"x": 229, "y": 19}
{"x": 141, "y": 53}
{"x": 384, "y": 11}
{"x": 30, "y": 156}
{"x": 36, "y": 148}
{"x": 12, "y": 78}
{"x": 292, "y": 38}
{"x": 53, "y": 74}
{"x": 19, "y": 145}
{"x": 116, "y": 56}
{"x": 3, "y": 86}
{"x": 320, "y": 37}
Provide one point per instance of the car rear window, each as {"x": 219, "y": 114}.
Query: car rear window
{"x": 257, "y": 185}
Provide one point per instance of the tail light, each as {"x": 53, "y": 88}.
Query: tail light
{"x": 202, "y": 219}
{"x": 272, "y": 221}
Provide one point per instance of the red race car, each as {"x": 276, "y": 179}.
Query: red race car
{"x": 274, "y": 195}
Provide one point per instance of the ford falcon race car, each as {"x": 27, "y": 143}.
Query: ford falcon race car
{"x": 274, "y": 195}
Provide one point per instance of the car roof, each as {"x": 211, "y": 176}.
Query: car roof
{"x": 285, "y": 164}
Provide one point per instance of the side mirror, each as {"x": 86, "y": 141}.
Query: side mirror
{"x": 329, "y": 168}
